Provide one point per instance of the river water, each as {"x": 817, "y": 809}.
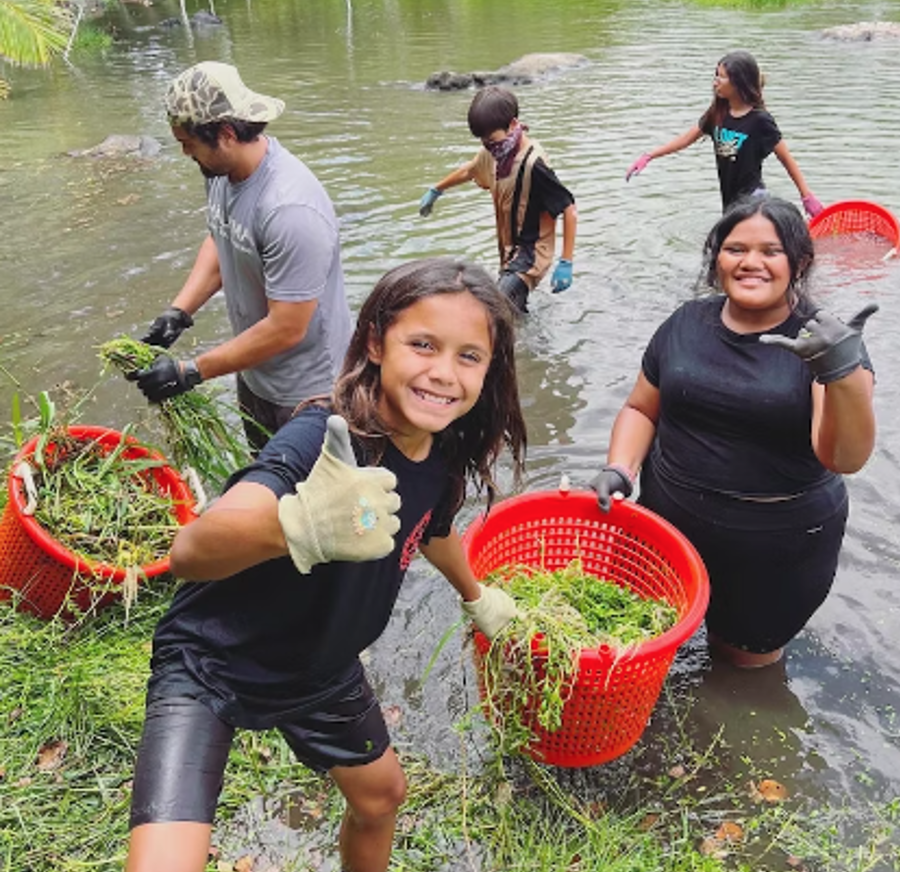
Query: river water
{"x": 91, "y": 249}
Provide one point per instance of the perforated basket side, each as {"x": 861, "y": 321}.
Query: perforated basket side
{"x": 855, "y": 216}
{"x": 613, "y": 694}
{"x": 48, "y": 578}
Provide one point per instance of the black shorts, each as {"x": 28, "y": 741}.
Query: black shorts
{"x": 766, "y": 580}
{"x": 270, "y": 416}
{"x": 184, "y": 749}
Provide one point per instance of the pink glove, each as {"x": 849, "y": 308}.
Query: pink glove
{"x": 637, "y": 166}
{"x": 812, "y": 205}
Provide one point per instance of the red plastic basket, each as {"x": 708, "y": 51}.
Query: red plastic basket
{"x": 49, "y": 578}
{"x": 613, "y": 695}
{"x": 855, "y": 216}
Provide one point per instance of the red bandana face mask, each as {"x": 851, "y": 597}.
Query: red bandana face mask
{"x": 504, "y": 151}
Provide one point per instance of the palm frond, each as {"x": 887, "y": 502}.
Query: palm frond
{"x": 32, "y": 31}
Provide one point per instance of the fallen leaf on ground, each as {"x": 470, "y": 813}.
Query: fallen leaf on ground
{"x": 244, "y": 864}
{"x": 51, "y": 755}
{"x": 648, "y": 822}
{"x": 393, "y": 714}
{"x": 730, "y": 832}
{"x": 712, "y": 847}
{"x": 768, "y": 790}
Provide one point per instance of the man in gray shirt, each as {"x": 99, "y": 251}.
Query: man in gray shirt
{"x": 273, "y": 249}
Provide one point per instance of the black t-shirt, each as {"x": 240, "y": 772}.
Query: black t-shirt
{"x": 269, "y": 642}
{"x": 548, "y": 194}
{"x": 741, "y": 145}
{"x": 735, "y": 415}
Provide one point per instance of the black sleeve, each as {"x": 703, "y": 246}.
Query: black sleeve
{"x": 768, "y": 132}
{"x": 654, "y": 353}
{"x": 289, "y": 455}
{"x": 549, "y": 191}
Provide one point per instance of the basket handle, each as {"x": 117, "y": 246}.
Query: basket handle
{"x": 196, "y": 486}
{"x": 23, "y": 470}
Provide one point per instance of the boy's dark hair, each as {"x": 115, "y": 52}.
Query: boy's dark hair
{"x": 743, "y": 73}
{"x": 793, "y": 233}
{"x": 469, "y": 445}
{"x": 492, "y": 108}
{"x": 208, "y": 134}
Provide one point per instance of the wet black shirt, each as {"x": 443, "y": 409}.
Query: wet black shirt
{"x": 741, "y": 145}
{"x": 735, "y": 415}
{"x": 269, "y": 642}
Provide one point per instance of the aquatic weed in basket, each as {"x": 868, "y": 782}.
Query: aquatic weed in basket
{"x": 91, "y": 511}
{"x": 613, "y": 693}
{"x": 530, "y": 668}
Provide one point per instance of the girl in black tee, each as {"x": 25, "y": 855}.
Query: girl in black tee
{"x": 744, "y": 134}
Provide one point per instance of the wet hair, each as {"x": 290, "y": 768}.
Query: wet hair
{"x": 744, "y": 75}
{"x": 470, "y": 445}
{"x": 492, "y": 108}
{"x": 793, "y": 233}
{"x": 208, "y": 134}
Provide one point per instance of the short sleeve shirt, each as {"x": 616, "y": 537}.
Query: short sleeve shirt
{"x": 268, "y": 642}
{"x": 277, "y": 239}
{"x": 735, "y": 414}
{"x": 533, "y": 248}
{"x": 741, "y": 145}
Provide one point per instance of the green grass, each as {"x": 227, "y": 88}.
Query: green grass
{"x": 83, "y": 685}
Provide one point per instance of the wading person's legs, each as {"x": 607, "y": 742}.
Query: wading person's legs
{"x": 177, "y": 781}
{"x": 373, "y": 792}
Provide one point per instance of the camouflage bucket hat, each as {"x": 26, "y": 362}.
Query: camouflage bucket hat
{"x": 211, "y": 91}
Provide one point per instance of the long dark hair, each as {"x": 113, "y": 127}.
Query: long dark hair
{"x": 793, "y": 233}
{"x": 470, "y": 445}
{"x": 743, "y": 73}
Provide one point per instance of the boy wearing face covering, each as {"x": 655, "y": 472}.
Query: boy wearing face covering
{"x": 528, "y": 197}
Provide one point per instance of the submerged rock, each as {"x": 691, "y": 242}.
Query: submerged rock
{"x": 863, "y": 31}
{"x": 522, "y": 71}
{"x": 121, "y": 145}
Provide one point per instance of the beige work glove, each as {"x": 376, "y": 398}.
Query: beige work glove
{"x": 341, "y": 511}
{"x": 492, "y": 611}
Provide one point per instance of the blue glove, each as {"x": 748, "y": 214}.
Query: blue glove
{"x": 166, "y": 378}
{"x": 428, "y": 200}
{"x": 562, "y": 276}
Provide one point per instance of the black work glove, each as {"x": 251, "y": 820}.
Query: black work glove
{"x": 613, "y": 478}
{"x": 166, "y": 328}
{"x": 166, "y": 378}
{"x": 830, "y": 347}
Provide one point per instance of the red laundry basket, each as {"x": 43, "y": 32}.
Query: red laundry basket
{"x": 613, "y": 695}
{"x": 49, "y": 578}
{"x": 855, "y": 216}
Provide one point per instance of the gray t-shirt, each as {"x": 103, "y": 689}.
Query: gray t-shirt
{"x": 276, "y": 234}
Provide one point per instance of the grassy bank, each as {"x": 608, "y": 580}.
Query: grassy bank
{"x": 71, "y": 707}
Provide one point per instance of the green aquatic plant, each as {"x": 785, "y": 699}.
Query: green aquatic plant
{"x": 531, "y": 664}
{"x": 199, "y": 426}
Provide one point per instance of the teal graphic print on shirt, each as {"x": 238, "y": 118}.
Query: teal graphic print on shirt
{"x": 728, "y": 142}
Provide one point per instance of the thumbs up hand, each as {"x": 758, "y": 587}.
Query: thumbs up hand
{"x": 341, "y": 511}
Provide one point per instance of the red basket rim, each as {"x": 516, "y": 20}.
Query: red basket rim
{"x": 106, "y": 435}
{"x": 858, "y": 206}
{"x": 672, "y": 638}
